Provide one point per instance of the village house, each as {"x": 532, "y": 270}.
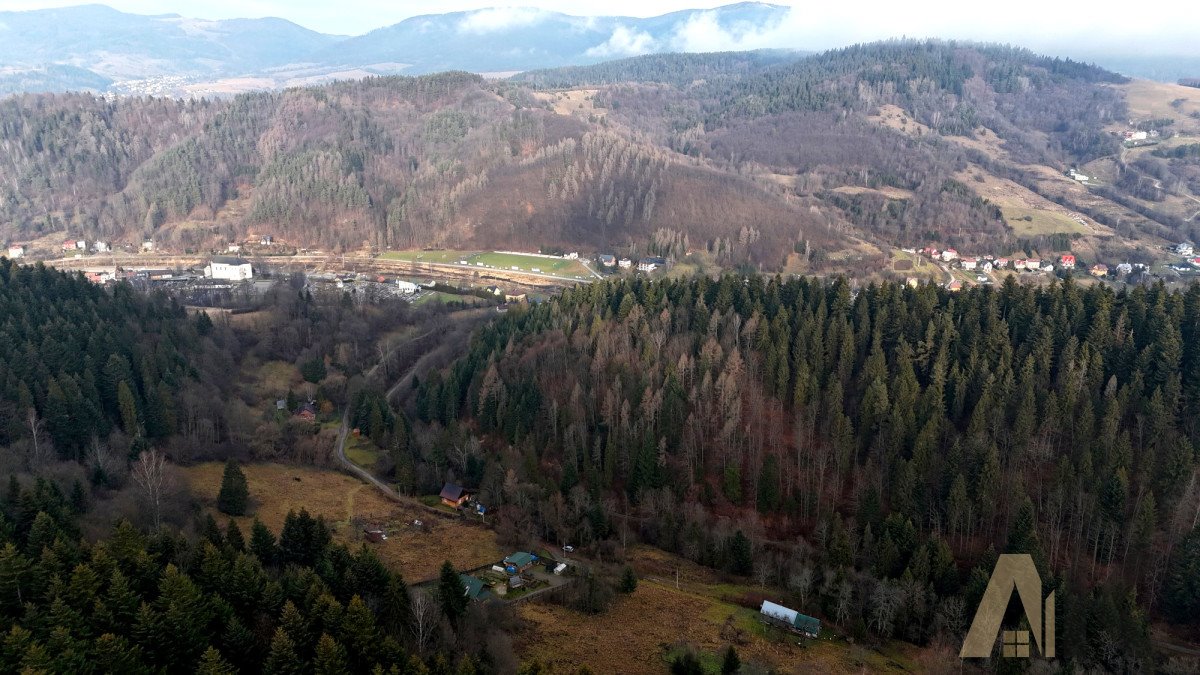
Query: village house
{"x": 16, "y": 251}
{"x": 454, "y": 496}
{"x": 573, "y": 255}
{"x": 514, "y": 297}
{"x": 1124, "y": 268}
{"x": 1067, "y": 260}
{"x": 650, "y": 264}
{"x": 147, "y": 246}
{"x": 406, "y": 287}
{"x": 969, "y": 263}
{"x": 949, "y": 254}
{"x": 1001, "y": 263}
{"x": 624, "y": 263}
{"x": 1033, "y": 264}
{"x": 68, "y": 245}
{"x": 1185, "y": 249}
{"x": 473, "y": 586}
{"x": 520, "y": 561}
{"x": 1020, "y": 264}
{"x": 307, "y": 412}
{"x": 608, "y": 260}
{"x": 229, "y": 269}
{"x": 954, "y": 286}
{"x": 1099, "y": 270}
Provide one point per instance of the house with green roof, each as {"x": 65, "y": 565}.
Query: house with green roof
{"x": 473, "y": 585}
{"x": 520, "y": 560}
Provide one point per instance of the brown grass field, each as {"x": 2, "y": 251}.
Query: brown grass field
{"x": 639, "y": 629}
{"x": 274, "y": 490}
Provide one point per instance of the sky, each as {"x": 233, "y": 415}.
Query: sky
{"x": 1170, "y": 27}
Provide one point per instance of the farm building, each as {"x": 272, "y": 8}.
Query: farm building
{"x": 406, "y": 287}
{"x": 520, "y": 560}
{"x": 790, "y": 619}
{"x": 454, "y": 496}
{"x": 229, "y": 269}
{"x": 16, "y": 251}
{"x": 515, "y": 582}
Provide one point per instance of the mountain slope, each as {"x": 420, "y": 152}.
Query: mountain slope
{"x": 127, "y": 46}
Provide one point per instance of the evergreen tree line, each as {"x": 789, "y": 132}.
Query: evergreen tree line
{"x": 904, "y": 433}
{"x": 226, "y": 602}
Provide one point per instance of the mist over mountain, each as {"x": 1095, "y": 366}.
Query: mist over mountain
{"x": 97, "y": 48}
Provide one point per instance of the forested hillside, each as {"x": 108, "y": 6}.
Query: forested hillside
{"x": 903, "y": 436}
{"x": 750, "y": 156}
{"x": 79, "y": 363}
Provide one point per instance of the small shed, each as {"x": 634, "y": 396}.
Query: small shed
{"x": 790, "y": 619}
{"x": 515, "y": 582}
{"x": 374, "y": 535}
{"x": 560, "y": 568}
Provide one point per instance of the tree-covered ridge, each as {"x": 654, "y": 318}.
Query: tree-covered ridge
{"x": 679, "y": 70}
{"x": 78, "y": 361}
{"x": 227, "y": 602}
{"x": 948, "y": 86}
{"x": 1058, "y": 420}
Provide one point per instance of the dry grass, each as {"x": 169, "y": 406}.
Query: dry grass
{"x": 274, "y": 490}
{"x": 1152, "y": 100}
{"x": 636, "y": 632}
{"x": 572, "y": 102}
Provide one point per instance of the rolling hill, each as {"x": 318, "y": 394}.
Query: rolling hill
{"x": 774, "y": 160}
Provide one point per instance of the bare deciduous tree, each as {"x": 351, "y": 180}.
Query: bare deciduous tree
{"x": 149, "y": 472}
{"x": 39, "y": 447}
{"x": 426, "y": 613}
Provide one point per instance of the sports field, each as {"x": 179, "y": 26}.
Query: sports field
{"x": 513, "y": 262}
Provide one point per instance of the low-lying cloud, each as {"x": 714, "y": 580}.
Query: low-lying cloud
{"x": 500, "y": 18}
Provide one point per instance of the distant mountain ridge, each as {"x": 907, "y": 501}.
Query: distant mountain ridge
{"x": 98, "y": 48}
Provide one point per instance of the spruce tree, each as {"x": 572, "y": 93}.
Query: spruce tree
{"x": 452, "y": 593}
{"x": 235, "y": 494}
{"x": 730, "y": 663}
{"x": 629, "y": 580}
{"x": 282, "y": 659}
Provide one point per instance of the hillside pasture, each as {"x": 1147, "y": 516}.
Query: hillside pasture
{"x": 345, "y": 501}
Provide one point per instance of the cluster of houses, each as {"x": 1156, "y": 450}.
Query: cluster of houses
{"x": 648, "y": 264}
{"x": 990, "y": 263}
{"x": 76, "y": 246}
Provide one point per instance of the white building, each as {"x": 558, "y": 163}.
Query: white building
{"x": 969, "y": 263}
{"x": 80, "y": 245}
{"x": 573, "y": 255}
{"x": 147, "y": 246}
{"x": 1185, "y": 249}
{"x": 229, "y": 269}
{"x": 406, "y": 287}
{"x": 101, "y": 247}
{"x": 625, "y": 263}
{"x": 949, "y": 254}
{"x": 1124, "y": 268}
{"x": 16, "y": 251}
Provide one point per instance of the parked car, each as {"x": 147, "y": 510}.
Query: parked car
{"x": 568, "y": 549}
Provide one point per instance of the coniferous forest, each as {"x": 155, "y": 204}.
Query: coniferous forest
{"x": 872, "y": 451}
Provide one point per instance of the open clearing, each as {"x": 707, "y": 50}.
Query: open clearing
{"x": 571, "y": 101}
{"x": 639, "y": 629}
{"x": 494, "y": 260}
{"x": 277, "y": 488}
{"x": 1032, "y": 222}
{"x": 1152, "y": 100}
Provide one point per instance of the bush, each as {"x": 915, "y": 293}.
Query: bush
{"x": 629, "y": 581}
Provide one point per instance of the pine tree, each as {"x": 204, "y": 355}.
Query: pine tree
{"x": 730, "y": 663}
{"x": 741, "y": 555}
{"x": 212, "y": 663}
{"x": 234, "y": 538}
{"x": 452, "y": 593}
{"x": 234, "y": 494}
{"x": 330, "y": 657}
{"x": 282, "y": 658}
{"x": 629, "y": 580}
{"x": 262, "y": 543}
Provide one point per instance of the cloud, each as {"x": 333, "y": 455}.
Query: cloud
{"x": 500, "y": 18}
{"x": 624, "y": 42}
